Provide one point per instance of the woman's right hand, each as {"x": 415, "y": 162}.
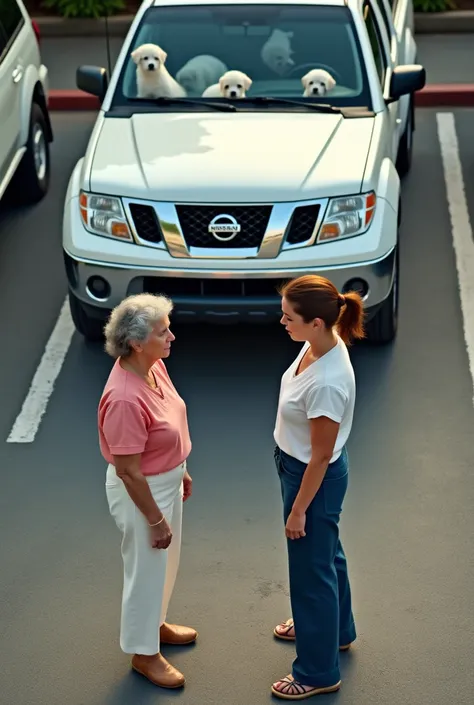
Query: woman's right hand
{"x": 160, "y": 536}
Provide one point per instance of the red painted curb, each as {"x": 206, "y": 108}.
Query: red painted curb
{"x": 449, "y": 95}
{"x": 434, "y": 95}
{"x": 72, "y": 100}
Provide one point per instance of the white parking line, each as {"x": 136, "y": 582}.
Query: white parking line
{"x": 460, "y": 225}
{"x": 28, "y": 420}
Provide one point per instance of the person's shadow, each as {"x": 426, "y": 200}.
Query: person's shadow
{"x": 135, "y": 688}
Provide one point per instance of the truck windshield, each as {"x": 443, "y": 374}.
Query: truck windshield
{"x": 300, "y": 52}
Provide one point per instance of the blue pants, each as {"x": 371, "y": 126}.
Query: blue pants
{"x": 320, "y": 593}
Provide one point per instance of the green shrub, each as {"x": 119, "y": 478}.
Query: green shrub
{"x": 434, "y": 5}
{"x": 85, "y": 8}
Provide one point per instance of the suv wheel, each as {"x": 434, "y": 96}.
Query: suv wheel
{"x": 382, "y": 328}
{"x": 90, "y": 328}
{"x": 31, "y": 180}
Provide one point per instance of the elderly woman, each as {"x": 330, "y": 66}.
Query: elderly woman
{"x": 144, "y": 438}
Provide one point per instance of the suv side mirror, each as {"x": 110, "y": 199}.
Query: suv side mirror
{"x": 93, "y": 80}
{"x": 405, "y": 80}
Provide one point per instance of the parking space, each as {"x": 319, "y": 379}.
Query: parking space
{"x": 408, "y": 527}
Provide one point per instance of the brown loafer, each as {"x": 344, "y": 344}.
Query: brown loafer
{"x": 177, "y": 635}
{"x": 158, "y": 671}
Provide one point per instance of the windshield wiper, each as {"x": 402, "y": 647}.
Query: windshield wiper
{"x": 347, "y": 111}
{"x": 270, "y": 100}
{"x": 218, "y": 105}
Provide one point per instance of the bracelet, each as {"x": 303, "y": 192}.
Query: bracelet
{"x": 158, "y": 522}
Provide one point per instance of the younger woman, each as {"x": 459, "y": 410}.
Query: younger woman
{"x": 313, "y": 423}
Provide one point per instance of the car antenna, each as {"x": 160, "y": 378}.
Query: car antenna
{"x": 107, "y": 41}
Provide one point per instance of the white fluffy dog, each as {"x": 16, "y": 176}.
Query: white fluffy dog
{"x": 200, "y": 72}
{"x": 276, "y": 52}
{"x": 153, "y": 78}
{"x": 317, "y": 82}
{"x": 233, "y": 84}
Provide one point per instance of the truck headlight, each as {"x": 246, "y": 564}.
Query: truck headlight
{"x": 348, "y": 216}
{"x": 104, "y": 215}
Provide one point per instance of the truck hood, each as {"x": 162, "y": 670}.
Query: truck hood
{"x": 237, "y": 157}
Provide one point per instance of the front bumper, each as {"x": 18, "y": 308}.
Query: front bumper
{"x": 230, "y": 296}
{"x": 218, "y": 287}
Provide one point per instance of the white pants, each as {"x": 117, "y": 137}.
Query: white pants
{"x": 149, "y": 574}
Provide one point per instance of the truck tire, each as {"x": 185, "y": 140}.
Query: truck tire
{"x": 92, "y": 329}
{"x": 405, "y": 149}
{"x": 382, "y": 328}
{"x": 31, "y": 181}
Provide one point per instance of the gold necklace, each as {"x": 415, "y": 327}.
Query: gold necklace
{"x": 149, "y": 378}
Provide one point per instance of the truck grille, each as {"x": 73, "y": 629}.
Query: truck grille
{"x": 146, "y": 223}
{"x": 195, "y": 220}
{"x": 302, "y": 224}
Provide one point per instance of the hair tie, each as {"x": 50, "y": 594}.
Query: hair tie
{"x": 341, "y": 300}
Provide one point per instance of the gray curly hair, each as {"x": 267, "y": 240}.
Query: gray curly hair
{"x": 133, "y": 320}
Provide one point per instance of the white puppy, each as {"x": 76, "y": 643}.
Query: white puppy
{"x": 233, "y": 84}
{"x": 153, "y": 78}
{"x": 317, "y": 82}
{"x": 200, "y": 72}
{"x": 276, "y": 52}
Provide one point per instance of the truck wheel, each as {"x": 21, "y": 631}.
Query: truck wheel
{"x": 405, "y": 149}
{"x": 31, "y": 181}
{"x": 90, "y": 328}
{"x": 382, "y": 328}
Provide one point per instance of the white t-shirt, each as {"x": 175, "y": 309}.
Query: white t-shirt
{"x": 325, "y": 388}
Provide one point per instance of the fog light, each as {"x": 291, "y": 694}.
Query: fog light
{"x": 358, "y": 285}
{"x": 98, "y": 288}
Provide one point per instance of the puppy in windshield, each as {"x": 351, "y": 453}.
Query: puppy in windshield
{"x": 153, "y": 78}
{"x": 276, "y": 52}
{"x": 233, "y": 84}
{"x": 200, "y": 72}
{"x": 317, "y": 82}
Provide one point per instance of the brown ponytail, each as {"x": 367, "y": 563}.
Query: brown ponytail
{"x": 350, "y": 323}
{"x": 316, "y": 297}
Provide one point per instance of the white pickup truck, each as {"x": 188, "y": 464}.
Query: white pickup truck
{"x": 26, "y": 131}
{"x": 216, "y": 201}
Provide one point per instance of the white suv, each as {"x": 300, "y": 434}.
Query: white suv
{"x": 215, "y": 201}
{"x": 25, "y": 131}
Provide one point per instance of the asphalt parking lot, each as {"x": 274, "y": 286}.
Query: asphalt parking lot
{"x": 408, "y": 526}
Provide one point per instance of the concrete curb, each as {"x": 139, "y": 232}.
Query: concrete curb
{"x": 435, "y": 95}
{"x": 60, "y": 27}
{"x": 456, "y": 21}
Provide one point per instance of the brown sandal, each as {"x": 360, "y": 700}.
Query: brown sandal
{"x": 282, "y": 631}
{"x": 294, "y": 690}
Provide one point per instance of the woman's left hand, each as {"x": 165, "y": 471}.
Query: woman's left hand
{"x": 295, "y": 525}
{"x": 187, "y": 486}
